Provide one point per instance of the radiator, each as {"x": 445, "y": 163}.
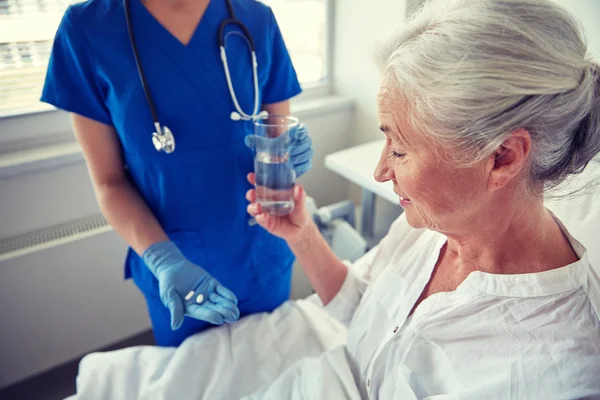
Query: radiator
{"x": 53, "y": 236}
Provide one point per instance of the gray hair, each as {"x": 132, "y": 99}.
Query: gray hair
{"x": 476, "y": 70}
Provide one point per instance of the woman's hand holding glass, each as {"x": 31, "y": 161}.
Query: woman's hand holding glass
{"x": 290, "y": 227}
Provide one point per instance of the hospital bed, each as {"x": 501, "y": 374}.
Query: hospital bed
{"x": 231, "y": 361}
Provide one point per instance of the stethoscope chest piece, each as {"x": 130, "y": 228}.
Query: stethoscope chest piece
{"x": 162, "y": 138}
{"x": 163, "y": 141}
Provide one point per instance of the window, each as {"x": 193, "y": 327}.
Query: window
{"x": 27, "y": 28}
{"x": 303, "y": 24}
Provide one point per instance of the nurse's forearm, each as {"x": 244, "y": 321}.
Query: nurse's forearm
{"x": 324, "y": 269}
{"x": 129, "y": 215}
{"x": 281, "y": 108}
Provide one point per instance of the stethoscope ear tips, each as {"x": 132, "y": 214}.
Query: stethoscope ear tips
{"x": 235, "y": 116}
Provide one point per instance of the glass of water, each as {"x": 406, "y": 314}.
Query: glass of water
{"x": 274, "y": 171}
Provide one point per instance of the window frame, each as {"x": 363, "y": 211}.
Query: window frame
{"x": 48, "y": 125}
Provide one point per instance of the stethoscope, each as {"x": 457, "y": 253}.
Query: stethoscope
{"x": 163, "y": 138}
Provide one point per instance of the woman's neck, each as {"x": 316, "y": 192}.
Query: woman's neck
{"x": 521, "y": 239}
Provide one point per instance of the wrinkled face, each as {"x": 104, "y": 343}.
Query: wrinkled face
{"x": 434, "y": 192}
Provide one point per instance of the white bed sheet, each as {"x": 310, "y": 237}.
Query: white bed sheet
{"x": 227, "y": 362}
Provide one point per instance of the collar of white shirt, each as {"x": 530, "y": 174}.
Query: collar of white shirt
{"x": 546, "y": 283}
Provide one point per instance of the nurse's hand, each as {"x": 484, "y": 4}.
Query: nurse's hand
{"x": 301, "y": 151}
{"x": 177, "y": 278}
{"x": 290, "y": 227}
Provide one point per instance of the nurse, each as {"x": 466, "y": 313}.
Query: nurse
{"x": 126, "y": 70}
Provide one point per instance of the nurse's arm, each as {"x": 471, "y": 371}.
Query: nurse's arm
{"x": 119, "y": 201}
{"x": 280, "y": 108}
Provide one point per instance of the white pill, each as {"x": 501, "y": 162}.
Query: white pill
{"x": 189, "y": 295}
{"x": 199, "y": 299}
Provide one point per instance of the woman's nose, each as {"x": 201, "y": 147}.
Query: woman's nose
{"x": 383, "y": 171}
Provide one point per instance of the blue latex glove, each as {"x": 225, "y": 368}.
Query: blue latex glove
{"x": 177, "y": 277}
{"x": 301, "y": 151}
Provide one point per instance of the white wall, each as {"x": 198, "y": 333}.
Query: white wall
{"x": 358, "y": 26}
{"x": 65, "y": 301}
{"x": 60, "y": 303}
{"x": 588, "y": 12}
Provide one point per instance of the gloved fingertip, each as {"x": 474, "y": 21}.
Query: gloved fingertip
{"x": 301, "y": 133}
{"x": 233, "y": 316}
{"x": 225, "y": 293}
{"x": 308, "y": 166}
{"x": 303, "y": 167}
{"x": 232, "y": 299}
{"x": 175, "y": 322}
{"x": 292, "y": 134}
{"x": 249, "y": 141}
{"x": 176, "y": 310}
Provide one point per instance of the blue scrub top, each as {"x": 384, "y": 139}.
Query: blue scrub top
{"x": 197, "y": 193}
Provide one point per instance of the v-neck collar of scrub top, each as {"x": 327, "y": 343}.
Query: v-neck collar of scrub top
{"x": 208, "y": 26}
{"x": 196, "y": 60}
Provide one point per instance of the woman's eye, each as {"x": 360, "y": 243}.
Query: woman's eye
{"x": 396, "y": 154}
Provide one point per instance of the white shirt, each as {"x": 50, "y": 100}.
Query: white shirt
{"x": 525, "y": 336}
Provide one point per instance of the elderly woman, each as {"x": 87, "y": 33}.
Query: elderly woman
{"x": 478, "y": 291}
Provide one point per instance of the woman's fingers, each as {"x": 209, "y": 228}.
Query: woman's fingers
{"x": 251, "y": 178}
{"x": 251, "y": 195}
{"x": 254, "y": 209}
{"x": 284, "y": 226}
{"x": 267, "y": 221}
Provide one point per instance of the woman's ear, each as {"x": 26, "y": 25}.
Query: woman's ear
{"x": 509, "y": 159}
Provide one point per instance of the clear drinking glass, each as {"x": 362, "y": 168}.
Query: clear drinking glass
{"x": 274, "y": 171}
